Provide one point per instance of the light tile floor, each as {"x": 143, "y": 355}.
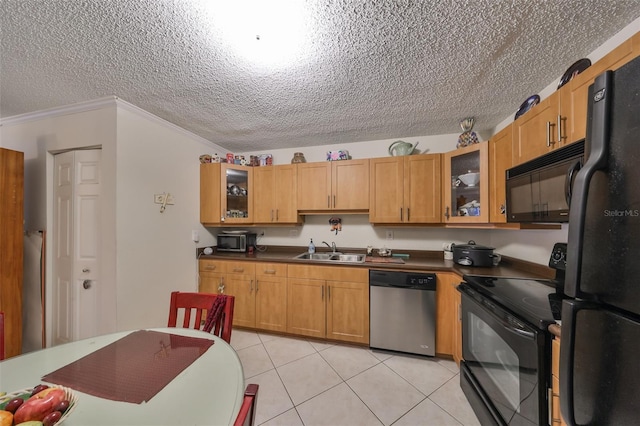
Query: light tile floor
{"x": 306, "y": 382}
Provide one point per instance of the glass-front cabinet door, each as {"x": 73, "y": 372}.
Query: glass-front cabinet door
{"x": 237, "y": 194}
{"x": 465, "y": 187}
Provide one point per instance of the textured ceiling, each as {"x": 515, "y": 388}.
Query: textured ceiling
{"x": 364, "y": 70}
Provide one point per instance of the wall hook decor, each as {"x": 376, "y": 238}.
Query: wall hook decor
{"x": 336, "y": 224}
{"x": 165, "y": 199}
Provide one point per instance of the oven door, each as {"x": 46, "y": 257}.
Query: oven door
{"x": 505, "y": 358}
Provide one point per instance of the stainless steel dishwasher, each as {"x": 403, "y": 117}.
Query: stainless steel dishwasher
{"x": 402, "y": 315}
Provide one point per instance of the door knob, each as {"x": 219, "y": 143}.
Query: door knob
{"x": 86, "y": 284}
{"x": 85, "y": 270}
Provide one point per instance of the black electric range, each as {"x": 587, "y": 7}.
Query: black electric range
{"x": 535, "y": 301}
{"x": 506, "y": 344}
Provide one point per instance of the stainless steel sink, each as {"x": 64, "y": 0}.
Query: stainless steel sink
{"x": 314, "y": 256}
{"x": 357, "y": 258}
{"x": 333, "y": 257}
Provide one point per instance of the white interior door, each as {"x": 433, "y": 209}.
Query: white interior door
{"x": 76, "y": 236}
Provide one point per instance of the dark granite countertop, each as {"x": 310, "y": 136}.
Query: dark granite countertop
{"x": 432, "y": 261}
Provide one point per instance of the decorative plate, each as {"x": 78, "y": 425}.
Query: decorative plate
{"x": 575, "y": 69}
{"x": 26, "y": 394}
{"x": 527, "y": 105}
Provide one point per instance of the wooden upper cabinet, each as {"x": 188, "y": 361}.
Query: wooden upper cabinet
{"x": 349, "y": 184}
{"x": 387, "y": 190}
{"x": 561, "y": 119}
{"x": 210, "y": 211}
{"x": 405, "y": 189}
{"x": 275, "y": 190}
{"x": 226, "y": 194}
{"x": 573, "y": 95}
{"x": 422, "y": 188}
{"x": 500, "y": 160}
{"x": 333, "y": 185}
{"x": 535, "y": 132}
{"x": 466, "y": 202}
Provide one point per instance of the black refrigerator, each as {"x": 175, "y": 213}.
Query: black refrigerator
{"x": 600, "y": 351}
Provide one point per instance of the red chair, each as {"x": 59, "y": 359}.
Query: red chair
{"x": 247, "y": 414}
{"x": 1, "y": 336}
{"x": 201, "y": 303}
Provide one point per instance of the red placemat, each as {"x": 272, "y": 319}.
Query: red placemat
{"x": 132, "y": 369}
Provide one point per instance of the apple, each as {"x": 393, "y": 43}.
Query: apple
{"x": 39, "y": 405}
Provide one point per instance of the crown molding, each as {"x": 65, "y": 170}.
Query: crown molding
{"x": 58, "y": 111}
{"x": 100, "y": 103}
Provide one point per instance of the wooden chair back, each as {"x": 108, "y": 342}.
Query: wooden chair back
{"x": 194, "y": 307}
{"x": 247, "y": 414}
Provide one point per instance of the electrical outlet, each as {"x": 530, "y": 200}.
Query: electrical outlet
{"x": 170, "y": 200}
{"x": 389, "y": 234}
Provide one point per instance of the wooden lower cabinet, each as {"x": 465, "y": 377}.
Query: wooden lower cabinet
{"x": 556, "y": 417}
{"x": 242, "y": 285}
{"x": 448, "y": 322}
{"x": 306, "y": 307}
{"x": 328, "y": 302}
{"x": 271, "y": 296}
{"x": 235, "y": 279}
{"x": 348, "y": 311}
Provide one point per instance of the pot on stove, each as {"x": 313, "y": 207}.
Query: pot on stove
{"x": 472, "y": 254}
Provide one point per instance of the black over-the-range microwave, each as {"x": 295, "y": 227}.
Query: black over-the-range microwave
{"x": 540, "y": 189}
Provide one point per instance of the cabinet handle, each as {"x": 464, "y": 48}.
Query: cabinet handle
{"x": 322, "y": 293}
{"x": 549, "y": 134}
{"x": 269, "y": 271}
{"x": 250, "y": 286}
{"x": 210, "y": 267}
{"x": 400, "y": 214}
{"x": 560, "y": 120}
{"x": 334, "y": 201}
{"x": 329, "y": 292}
{"x": 408, "y": 214}
{"x": 257, "y": 281}
{"x": 446, "y": 212}
{"x": 271, "y": 215}
{"x": 328, "y": 201}
{"x": 276, "y": 215}
{"x": 238, "y": 269}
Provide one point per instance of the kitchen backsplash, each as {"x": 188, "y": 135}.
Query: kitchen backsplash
{"x": 357, "y": 232}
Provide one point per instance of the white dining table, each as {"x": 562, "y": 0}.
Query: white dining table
{"x": 207, "y": 392}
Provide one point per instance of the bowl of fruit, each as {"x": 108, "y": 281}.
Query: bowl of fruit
{"x": 41, "y": 405}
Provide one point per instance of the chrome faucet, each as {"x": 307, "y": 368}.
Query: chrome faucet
{"x": 332, "y": 246}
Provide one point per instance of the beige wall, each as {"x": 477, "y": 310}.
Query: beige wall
{"x": 145, "y": 254}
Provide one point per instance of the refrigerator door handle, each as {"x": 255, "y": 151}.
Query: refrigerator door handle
{"x": 570, "y": 309}
{"x": 598, "y": 142}
{"x": 568, "y": 182}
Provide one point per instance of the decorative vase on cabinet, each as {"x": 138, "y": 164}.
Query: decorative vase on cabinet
{"x": 298, "y": 157}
